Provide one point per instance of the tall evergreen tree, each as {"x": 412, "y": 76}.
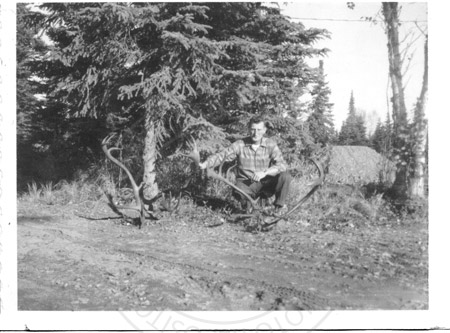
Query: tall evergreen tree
{"x": 320, "y": 122}
{"x": 32, "y": 132}
{"x": 28, "y": 48}
{"x": 377, "y": 137}
{"x": 353, "y": 130}
{"x": 50, "y": 145}
{"x": 381, "y": 139}
{"x": 361, "y": 130}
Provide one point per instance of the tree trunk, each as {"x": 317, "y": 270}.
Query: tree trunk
{"x": 150, "y": 189}
{"x": 417, "y": 180}
{"x": 399, "y": 115}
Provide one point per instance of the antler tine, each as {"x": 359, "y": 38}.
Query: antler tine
{"x": 136, "y": 189}
{"x": 108, "y": 138}
{"x": 320, "y": 170}
{"x": 105, "y": 142}
{"x": 227, "y": 175}
{"x": 220, "y": 168}
{"x": 194, "y": 154}
{"x": 212, "y": 174}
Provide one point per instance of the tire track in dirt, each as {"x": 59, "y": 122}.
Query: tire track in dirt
{"x": 184, "y": 277}
{"x": 84, "y": 265}
{"x": 228, "y": 284}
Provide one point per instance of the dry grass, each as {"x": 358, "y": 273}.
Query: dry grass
{"x": 342, "y": 202}
{"x": 63, "y": 193}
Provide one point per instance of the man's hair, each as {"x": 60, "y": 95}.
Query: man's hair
{"x": 256, "y": 120}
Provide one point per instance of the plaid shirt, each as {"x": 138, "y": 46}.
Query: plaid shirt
{"x": 249, "y": 161}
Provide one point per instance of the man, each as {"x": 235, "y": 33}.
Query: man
{"x": 261, "y": 169}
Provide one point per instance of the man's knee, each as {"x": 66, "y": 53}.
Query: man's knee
{"x": 285, "y": 177}
{"x": 244, "y": 188}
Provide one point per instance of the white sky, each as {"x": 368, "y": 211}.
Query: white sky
{"x": 358, "y": 57}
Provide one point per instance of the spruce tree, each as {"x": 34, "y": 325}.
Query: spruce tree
{"x": 320, "y": 122}
{"x": 381, "y": 139}
{"x": 353, "y": 130}
{"x": 377, "y": 137}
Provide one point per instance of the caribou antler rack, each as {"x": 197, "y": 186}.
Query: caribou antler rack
{"x": 266, "y": 225}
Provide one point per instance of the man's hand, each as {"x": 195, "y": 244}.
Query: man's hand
{"x": 203, "y": 165}
{"x": 257, "y": 176}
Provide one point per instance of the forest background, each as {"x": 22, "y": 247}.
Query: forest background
{"x": 160, "y": 74}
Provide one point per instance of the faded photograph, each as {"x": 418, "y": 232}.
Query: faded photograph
{"x": 222, "y": 156}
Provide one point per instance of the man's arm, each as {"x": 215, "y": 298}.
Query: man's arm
{"x": 225, "y": 155}
{"x": 278, "y": 164}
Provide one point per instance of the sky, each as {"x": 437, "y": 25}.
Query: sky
{"x": 358, "y": 57}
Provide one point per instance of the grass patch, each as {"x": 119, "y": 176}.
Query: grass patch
{"x": 63, "y": 193}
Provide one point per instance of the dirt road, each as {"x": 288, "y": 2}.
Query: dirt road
{"x": 67, "y": 262}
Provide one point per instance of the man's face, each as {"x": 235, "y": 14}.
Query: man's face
{"x": 257, "y": 131}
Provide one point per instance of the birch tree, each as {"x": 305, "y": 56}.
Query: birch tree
{"x": 409, "y": 142}
{"x": 399, "y": 114}
{"x": 419, "y": 137}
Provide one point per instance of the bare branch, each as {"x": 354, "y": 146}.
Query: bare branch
{"x": 420, "y": 29}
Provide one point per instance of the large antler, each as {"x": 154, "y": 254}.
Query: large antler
{"x": 314, "y": 186}
{"x": 136, "y": 189}
{"x": 210, "y": 173}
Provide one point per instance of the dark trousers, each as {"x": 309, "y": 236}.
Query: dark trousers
{"x": 268, "y": 186}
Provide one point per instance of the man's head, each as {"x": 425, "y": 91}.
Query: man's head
{"x": 257, "y": 128}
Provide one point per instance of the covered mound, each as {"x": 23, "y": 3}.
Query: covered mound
{"x": 358, "y": 165}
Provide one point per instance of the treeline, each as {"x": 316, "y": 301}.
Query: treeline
{"x": 161, "y": 74}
